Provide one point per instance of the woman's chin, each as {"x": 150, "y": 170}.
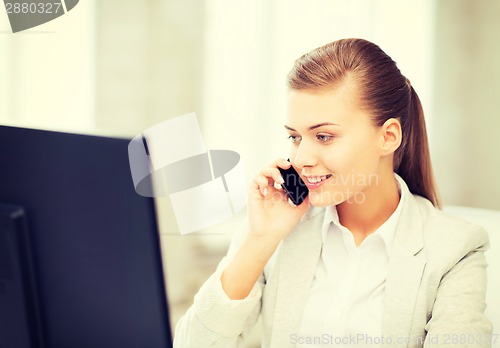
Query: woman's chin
{"x": 323, "y": 199}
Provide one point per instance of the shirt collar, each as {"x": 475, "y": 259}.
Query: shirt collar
{"x": 386, "y": 231}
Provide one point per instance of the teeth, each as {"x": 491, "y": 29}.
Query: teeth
{"x": 316, "y": 179}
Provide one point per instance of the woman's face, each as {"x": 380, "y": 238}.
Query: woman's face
{"x": 335, "y": 141}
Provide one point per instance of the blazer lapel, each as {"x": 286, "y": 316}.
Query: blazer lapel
{"x": 299, "y": 257}
{"x": 298, "y": 260}
{"x": 404, "y": 273}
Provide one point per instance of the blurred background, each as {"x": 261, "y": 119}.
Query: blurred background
{"x": 117, "y": 67}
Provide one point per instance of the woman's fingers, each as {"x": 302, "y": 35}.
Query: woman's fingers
{"x": 273, "y": 175}
{"x": 262, "y": 183}
{"x": 270, "y": 176}
{"x": 282, "y": 163}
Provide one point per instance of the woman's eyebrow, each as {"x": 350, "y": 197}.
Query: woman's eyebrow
{"x": 315, "y": 126}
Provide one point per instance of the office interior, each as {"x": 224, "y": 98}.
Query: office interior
{"x": 117, "y": 67}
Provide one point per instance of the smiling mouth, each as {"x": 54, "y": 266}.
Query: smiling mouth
{"x": 317, "y": 179}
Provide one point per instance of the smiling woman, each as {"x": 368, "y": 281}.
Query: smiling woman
{"x": 369, "y": 253}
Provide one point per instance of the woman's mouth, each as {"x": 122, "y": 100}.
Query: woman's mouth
{"x": 313, "y": 182}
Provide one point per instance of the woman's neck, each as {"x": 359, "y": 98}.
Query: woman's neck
{"x": 380, "y": 200}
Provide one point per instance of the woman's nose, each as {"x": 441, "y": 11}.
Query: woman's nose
{"x": 304, "y": 156}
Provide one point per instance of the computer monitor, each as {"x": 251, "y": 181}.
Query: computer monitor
{"x": 20, "y": 322}
{"x": 95, "y": 242}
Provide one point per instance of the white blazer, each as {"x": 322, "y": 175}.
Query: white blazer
{"x": 434, "y": 293}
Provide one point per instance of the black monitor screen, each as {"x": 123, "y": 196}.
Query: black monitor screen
{"x": 95, "y": 242}
{"x": 20, "y": 324}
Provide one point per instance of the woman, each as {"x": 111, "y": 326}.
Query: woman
{"x": 368, "y": 259}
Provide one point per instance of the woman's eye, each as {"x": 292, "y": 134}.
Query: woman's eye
{"x": 324, "y": 138}
{"x": 294, "y": 138}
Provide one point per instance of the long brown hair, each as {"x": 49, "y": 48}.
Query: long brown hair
{"x": 384, "y": 91}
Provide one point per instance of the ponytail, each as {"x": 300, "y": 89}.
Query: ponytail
{"x": 412, "y": 159}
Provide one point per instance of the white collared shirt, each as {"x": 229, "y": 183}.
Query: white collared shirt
{"x": 346, "y": 300}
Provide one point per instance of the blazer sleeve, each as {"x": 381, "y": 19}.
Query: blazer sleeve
{"x": 458, "y": 318}
{"x": 214, "y": 320}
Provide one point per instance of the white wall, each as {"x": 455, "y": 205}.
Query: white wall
{"x": 47, "y": 72}
{"x": 250, "y": 48}
{"x": 467, "y": 102}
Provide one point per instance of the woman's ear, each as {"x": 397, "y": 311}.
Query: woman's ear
{"x": 390, "y": 136}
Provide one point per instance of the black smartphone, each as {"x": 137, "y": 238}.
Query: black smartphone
{"x": 294, "y": 186}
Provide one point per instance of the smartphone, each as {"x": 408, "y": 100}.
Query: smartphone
{"x": 294, "y": 186}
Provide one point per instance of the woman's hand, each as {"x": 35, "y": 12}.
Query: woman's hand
{"x": 270, "y": 215}
{"x": 270, "y": 219}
